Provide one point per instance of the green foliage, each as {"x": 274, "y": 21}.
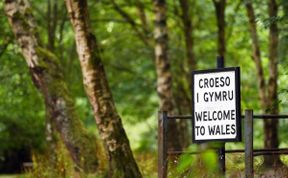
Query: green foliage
{"x": 185, "y": 163}
{"x": 21, "y": 109}
{"x": 55, "y": 164}
{"x": 131, "y": 73}
{"x": 190, "y": 165}
{"x": 210, "y": 159}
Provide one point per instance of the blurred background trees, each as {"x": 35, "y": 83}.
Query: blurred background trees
{"x": 124, "y": 30}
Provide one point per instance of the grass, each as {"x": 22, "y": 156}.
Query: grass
{"x": 147, "y": 162}
{"x": 12, "y": 176}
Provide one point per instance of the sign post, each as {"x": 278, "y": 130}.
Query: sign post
{"x": 221, "y": 150}
{"x": 216, "y": 105}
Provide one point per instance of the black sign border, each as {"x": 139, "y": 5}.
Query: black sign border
{"x": 238, "y": 104}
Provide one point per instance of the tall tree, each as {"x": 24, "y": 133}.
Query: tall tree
{"x": 188, "y": 32}
{"x": 51, "y": 135}
{"x": 181, "y": 98}
{"x": 46, "y": 73}
{"x": 220, "y": 18}
{"x": 164, "y": 76}
{"x": 256, "y": 52}
{"x": 182, "y": 79}
{"x": 271, "y": 126}
{"x": 122, "y": 163}
{"x": 267, "y": 92}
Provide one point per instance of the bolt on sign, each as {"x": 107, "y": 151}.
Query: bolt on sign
{"x": 216, "y": 105}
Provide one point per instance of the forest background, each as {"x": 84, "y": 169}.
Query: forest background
{"x": 141, "y": 58}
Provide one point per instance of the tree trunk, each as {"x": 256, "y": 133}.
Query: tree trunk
{"x": 48, "y": 78}
{"x": 189, "y": 43}
{"x": 183, "y": 80}
{"x": 188, "y": 34}
{"x": 256, "y": 53}
{"x": 220, "y": 16}
{"x": 271, "y": 126}
{"x": 122, "y": 163}
{"x": 267, "y": 93}
{"x": 164, "y": 76}
{"x": 51, "y": 136}
{"x": 51, "y": 140}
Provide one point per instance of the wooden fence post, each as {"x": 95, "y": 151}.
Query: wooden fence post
{"x": 162, "y": 144}
{"x": 248, "y": 143}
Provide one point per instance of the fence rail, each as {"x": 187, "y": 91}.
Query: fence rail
{"x": 256, "y": 152}
{"x": 164, "y": 153}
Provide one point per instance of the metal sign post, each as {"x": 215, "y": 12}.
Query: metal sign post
{"x": 221, "y": 150}
{"x": 216, "y": 107}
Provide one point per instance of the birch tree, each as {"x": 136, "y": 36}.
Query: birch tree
{"x": 47, "y": 75}
{"x": 122, "y": 162}
{"x": 164, "y": 75}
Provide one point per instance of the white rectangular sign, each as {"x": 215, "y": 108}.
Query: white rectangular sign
{"x": 216, "y": 105}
